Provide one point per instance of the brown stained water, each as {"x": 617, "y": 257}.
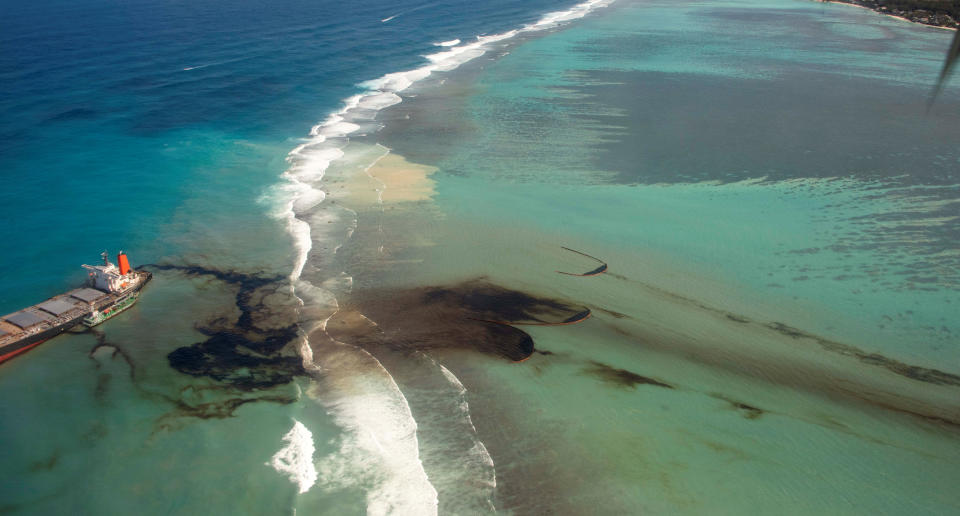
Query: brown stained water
{"x": 644, "y": 337}
{"x": 689, "y": 389}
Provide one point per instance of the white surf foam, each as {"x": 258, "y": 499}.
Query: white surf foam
{"x": 314, "y": 164}
{"x": 379, "y": 101}
{"x": 465, "y": 408}
{"x": 478, "y": 452}
{"x": 379, "y": 446}
{"x": 450, "y": 43}
{"x": 295, "y": 460}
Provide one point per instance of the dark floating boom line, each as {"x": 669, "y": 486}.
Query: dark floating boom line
{"x": 595, "y": 272}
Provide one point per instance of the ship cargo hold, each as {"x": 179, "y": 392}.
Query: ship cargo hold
{"x": 111, "y": 290}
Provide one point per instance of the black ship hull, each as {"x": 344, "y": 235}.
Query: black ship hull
{"x": 13, "y": 349}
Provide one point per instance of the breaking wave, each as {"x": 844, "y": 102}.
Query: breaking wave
{"x": 379, "y": 447}
{"x": 295, "y": 460}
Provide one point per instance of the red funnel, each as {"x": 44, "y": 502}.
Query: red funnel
{"x": 124, "y": 264}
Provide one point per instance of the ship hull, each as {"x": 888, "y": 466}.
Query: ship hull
{"x": 27, "y": 343}
{"x": 14, "y": 348}
{"x": 114, "y": 310}
{"x": 11, "y": 354}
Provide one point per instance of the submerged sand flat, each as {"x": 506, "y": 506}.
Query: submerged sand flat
{"x": 372, "y": 177}
{"x": 402, "y": 180}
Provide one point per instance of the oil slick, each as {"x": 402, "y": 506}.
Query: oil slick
{"x": 621, "y": 377}
{"x": 249, "y": 353}
{"x": 473, "y": 315}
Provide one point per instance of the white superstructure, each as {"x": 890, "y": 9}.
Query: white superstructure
{"x": 110, "y": 278}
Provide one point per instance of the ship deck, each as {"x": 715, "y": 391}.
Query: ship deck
{"x": 60, "y": 310}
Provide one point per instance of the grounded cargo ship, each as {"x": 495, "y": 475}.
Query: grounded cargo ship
{"x": 112, "y": 289}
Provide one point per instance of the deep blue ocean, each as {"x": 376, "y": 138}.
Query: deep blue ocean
{"x": 114, "y": 114}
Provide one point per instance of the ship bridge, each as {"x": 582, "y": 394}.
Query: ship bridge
{"x": 112, "y": 278}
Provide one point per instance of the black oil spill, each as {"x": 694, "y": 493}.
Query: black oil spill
{"x": 116, "y": 350}
{"x": 227, "y": 357}
{"x": 749, "y": 411}
{"x": 232, "y": 396}
{"x": 242, "y": 356}
{"x": 746, "y": 410}
{"x": 621, "y": 377}
{"x": 920, "y": 374}
{"x": 222, "y": 409}
{"x": 247, "y": 354}
{"x": 615, "y": 315}
{"x": 472, "y": 315}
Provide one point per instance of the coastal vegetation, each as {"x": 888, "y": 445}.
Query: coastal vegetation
{"x": 940, "y": 13}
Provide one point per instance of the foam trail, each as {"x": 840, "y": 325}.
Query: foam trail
{"x": 459, "y": 53}
{"x": 295, "y": 460}
{"x": 479, "y": 450}
{"x": 464, "y": 405}
{"x": 408, "y": 11}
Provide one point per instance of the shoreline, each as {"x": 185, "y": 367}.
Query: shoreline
{"x": 917, "y": 15}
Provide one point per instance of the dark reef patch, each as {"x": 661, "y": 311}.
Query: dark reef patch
{"x": 621, "y": 377}
{"x": 73, "y": 114}
{"x": 103, "y": 385}
{"x": 47, "y": 464}
{"x": 247, "y": 354}
{"x": 472, "y": 315}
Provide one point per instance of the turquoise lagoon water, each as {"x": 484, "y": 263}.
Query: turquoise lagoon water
{"x": 775, "y": 332}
